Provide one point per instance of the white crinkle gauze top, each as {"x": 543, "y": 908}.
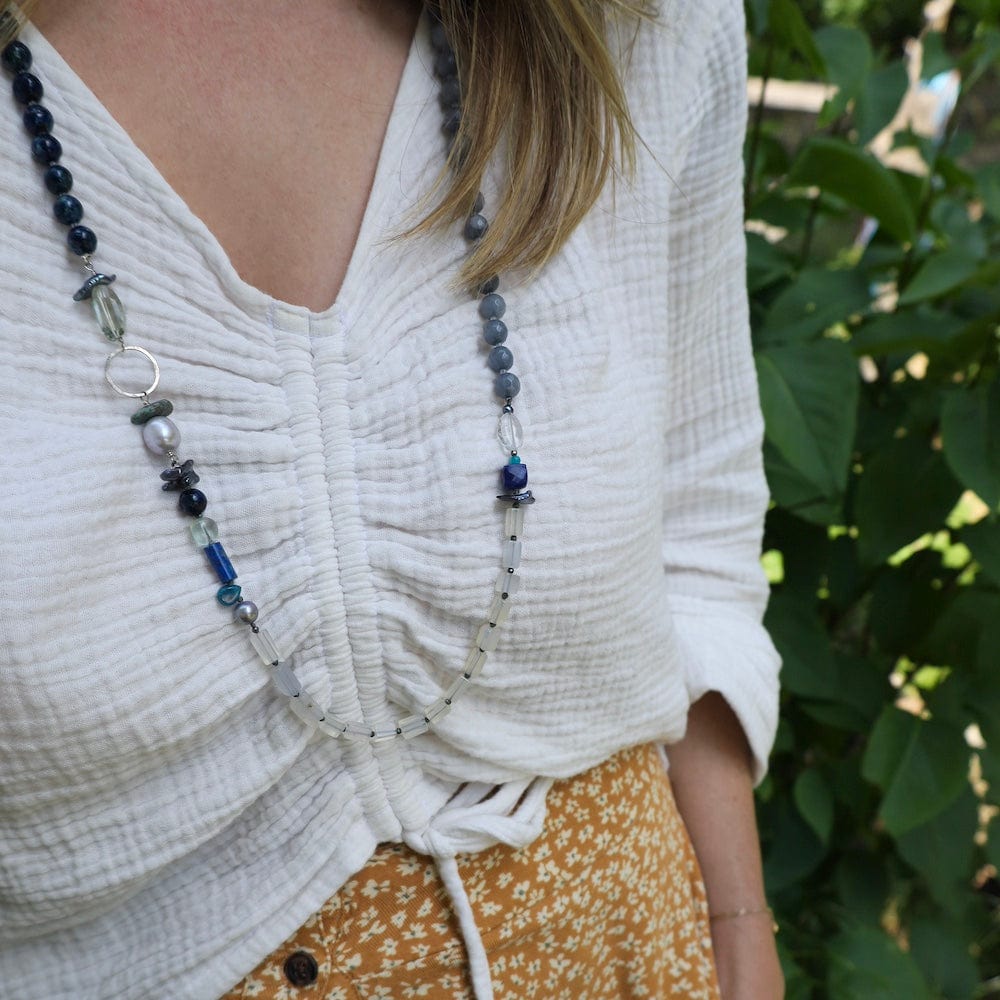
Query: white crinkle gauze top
{"x": 165, "y": 820}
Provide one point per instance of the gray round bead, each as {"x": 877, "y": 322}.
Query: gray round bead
{"x": 476, "y": 226}
{"x": 495, "y": 332}
{"x": 507, "y": 385}
{"x": 501, "y": 359}
{"x": 246, "y": 611}
{"x": 490, "y": 286}
{"x": 492, "y": 306}
{"x": 160, "y": 435}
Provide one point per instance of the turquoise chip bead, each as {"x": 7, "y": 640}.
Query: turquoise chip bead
{"x": 230, "y": 595}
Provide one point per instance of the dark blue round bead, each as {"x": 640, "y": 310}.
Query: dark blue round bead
{"x": 67, "y": 210}
{"x": 16, "y": 58}
{"x": 37, "y": 119}
{"x": 81, "y": 240}
{"x": 439, "y": 37}
{"x": 445, "y": 64}
{"x": 476, "y": 226}
{"x": 452, "y": 123}
{"x": 495, "y": 331}
{"x": 480, "y": 202}
{"x": 58, "y": 179}
{"x": 492, "y": 306}
{"x": 514, "y": 477}
{"x": 501, "y": 359}
{"x": 507, "y": 385}
{"x": 28, "y": 88}
{"x": 488, "y": 287}
{"x": 46, "y": 148}
{"x": 450, "y": 95}
{"x": 192, "y": 502}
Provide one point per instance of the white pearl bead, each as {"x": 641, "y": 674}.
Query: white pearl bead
{"x": 160, "y": 435}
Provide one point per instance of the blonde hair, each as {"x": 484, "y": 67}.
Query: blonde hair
{"x": 539, "y": 80}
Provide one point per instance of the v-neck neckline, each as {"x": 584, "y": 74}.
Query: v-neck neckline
{"x": 414, "y": 85}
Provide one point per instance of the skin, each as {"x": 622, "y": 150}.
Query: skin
{"x": 217, "y": 77}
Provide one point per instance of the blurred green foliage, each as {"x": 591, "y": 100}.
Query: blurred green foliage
{"x": 875, "y": 305}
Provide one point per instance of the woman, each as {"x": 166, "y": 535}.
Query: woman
{"x": 169, "y": 826}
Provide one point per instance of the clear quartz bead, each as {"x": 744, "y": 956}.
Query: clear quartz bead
{"x": 109, "y": 311}
{"x": 307, "y": 710}
{"x": 358, "y": 732}
{"x": 499, "y": 610}
{"x": 511, "y": 554}
{"x": 510, "y": 432}
{"x": 474, "y": 664}
{"x": 456, "y": 690}
{"x": 437, "y": 710}
{"x": 333, "y": 727}
{"x": 411, "y": 726}
{"x": 488, "y": 638}
{"x": 204, "y": 532}
{"x": 264, "y": 644}
{"x": 285, "y": 680}
{"x": 508, "y": 583}
{"x": 513, "y": 522}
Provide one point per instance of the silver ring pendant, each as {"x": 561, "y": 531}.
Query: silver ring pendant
{"x": 117, "y": 388}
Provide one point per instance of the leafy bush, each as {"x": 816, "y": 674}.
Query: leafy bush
{"x": 876, "y": 321}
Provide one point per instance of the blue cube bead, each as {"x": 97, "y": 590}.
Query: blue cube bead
{"x": 219, "y": 561}
{"x": 514, "y": 478}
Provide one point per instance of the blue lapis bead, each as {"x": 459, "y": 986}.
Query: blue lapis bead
{"x": 58, "y": 179}
{"x": 27, "y": 88}
{"x": 81, "y": 240}
{"x": 37, "y": 119}
{"x": 514, "y": 477}
{"x": 46, "y": 148}
{"x": 67, "y": 210}
{"x": 216, "y": 555}
{"x": 230, "y": 595}
{"x": 16, "y": 58}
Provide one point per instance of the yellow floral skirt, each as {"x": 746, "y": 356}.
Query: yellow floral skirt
{"x": 607, "y": 903}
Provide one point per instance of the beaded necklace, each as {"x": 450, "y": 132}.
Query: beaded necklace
{"x": 161, "y": 435}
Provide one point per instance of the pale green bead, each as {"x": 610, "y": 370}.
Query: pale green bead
{"x": 109, "y": 311}
{"x": 204, "y": 531}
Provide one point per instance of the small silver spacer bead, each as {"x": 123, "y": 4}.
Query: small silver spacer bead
{"x": 246, "y": 611}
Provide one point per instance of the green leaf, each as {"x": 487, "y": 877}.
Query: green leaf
{"x": 983, "y": 540}
{"x": 988, "y": 179}
{"x": 866, "y": 963}
{"x": 862, "y": 883}
{"x": 793, "y": 492}
{"x": 921, "y": 766}
{"x": 816, "y": 300}
{"x": 814, "y": 800}
{"x": 970, "y": 423}
{"x": 906, "y": 490}
{"x": 922, "y": 329}
{"x": 790, "y": 29}
{"x": 877, "y": 103}
{"x": 858, "y": 178}
{"x": 935, "y": 56}
{"x": 847, "y": 54}
{"x": 766, "y": 264}
{"x": 808, "y": 667}
{"x": 794, "y": 850}
{"x": 944, "y": 852}
{"x": 941, "y": 273}
{"x": 942, "y": 953}
{"x": 809, "y": 398}
{"x": 757, "y": 12}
